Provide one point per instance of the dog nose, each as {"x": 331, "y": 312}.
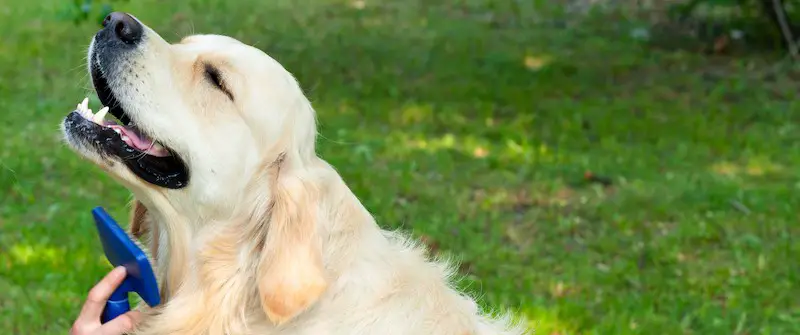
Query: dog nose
{"x": 125, "y": 27}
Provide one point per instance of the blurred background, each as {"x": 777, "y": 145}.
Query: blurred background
{"x": 601, "y": 167}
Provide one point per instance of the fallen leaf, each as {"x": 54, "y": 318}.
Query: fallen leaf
{"x": 358, "y": 4}
{"x": 480, "y": 152}
{"x": 558, "y": 290}
{"x": 534, "y": 63}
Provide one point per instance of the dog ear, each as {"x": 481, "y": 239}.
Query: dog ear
{"x": 291, "y": 274}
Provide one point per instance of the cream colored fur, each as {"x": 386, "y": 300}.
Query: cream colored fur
{"x": 267, "y": 238}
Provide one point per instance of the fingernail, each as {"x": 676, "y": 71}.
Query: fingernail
{"x": 119, "y": 271}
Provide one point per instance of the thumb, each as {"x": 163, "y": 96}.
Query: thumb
{"x": 122, "y": 324}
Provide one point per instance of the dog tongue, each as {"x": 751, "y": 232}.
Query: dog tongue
{"x": 136, "y": 140}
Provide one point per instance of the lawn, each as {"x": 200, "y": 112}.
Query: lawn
{"x": 473, "y": 125}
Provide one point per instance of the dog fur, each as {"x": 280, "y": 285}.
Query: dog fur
{"x": 266, "y": 238}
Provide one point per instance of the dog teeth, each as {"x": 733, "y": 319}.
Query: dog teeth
{"x": 84, "y": 105}
{"x": 100, "y": 116}
{"x": 85, "y": 111}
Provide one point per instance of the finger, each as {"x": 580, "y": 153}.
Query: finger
{"x": 96, "y": 300}
{"x": 122, "y": 324}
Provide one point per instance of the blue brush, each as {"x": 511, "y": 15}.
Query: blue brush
{"x": 120, "y": 249}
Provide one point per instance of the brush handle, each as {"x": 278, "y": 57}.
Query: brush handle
{"x": 118, "y": 303}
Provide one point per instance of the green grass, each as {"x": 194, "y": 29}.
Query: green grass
{"x": 433, "y": 118}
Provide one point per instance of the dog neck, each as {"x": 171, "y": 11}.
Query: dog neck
{"x": 218, "y": 260}
{"x": 178, "y": 230}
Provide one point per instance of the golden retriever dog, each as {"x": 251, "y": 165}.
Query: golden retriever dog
{"x": 250, "y": 232}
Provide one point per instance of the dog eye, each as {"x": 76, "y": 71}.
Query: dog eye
{"x": 213, "y": 75}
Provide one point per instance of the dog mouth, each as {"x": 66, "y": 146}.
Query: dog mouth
{"x": 144, "y": 156}
{"x": 128, "y": 131}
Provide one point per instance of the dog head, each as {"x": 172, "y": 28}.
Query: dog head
{"x": 198, "y": 122}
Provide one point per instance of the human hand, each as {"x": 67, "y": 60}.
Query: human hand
{"x": 88, "y": 321}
